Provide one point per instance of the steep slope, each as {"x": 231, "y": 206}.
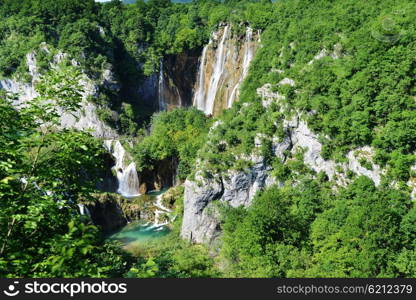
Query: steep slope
{"x": 312, "y": 108}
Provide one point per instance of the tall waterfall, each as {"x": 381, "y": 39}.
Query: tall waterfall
{"x": 161, "y": 85}
{"x": 128, "y": 180}
{"x": 247, "y": 58}
{"x": 205, "y": 100}
{"x": 222, "y": 69}
{"x": 216, "y": 75}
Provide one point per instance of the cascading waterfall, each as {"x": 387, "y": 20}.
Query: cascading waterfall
{"x": 83, "y": 210}
{"x": 128, "y": 180}
{"x": 160, "y": 209}
{"x": 223, "y": 69}
{"x": 248, "y": 57}
{"x": 161, "y": 86}
{"x": 216, "y": 76}
{"x": 205, "y": 100}
{"x": 199, "y": 98}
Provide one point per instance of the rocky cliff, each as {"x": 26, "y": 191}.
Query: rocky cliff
{"x": 86, "y": 118}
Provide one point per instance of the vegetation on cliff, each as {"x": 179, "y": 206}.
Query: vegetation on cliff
{"x": 348, "y": 70}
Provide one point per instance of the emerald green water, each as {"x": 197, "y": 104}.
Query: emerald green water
{"x": 137, "y": 232}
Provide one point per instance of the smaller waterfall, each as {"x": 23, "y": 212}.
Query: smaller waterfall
{"x": 161, "y": 86}
{"x": 128, "y": 180}
{"x": 160, "y": 209}
{"x": 247, "y": 58}
{"x": 83, "y": 210}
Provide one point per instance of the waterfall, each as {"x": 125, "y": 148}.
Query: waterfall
{"x": 204, "y": 100}
{"x": 217, "y": 72}
{"x": 83, "y": 210}
{"x": 161, "y": 85}
{"x": 247, "y": 58}
{"x": 223, "y": 69}
{"x": 128, "y": 180}
{"x": 160, "y": 209}
{"x": 199, "y": 98}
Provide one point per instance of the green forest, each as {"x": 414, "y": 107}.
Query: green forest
{"x": 363, "y": 93}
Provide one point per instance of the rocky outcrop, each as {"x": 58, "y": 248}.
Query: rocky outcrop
{"x": 163, "y": 175}
{"x": 176, "y": 80}
{"x": 235, "y": 188}
{"x": 111, "y": 211}
{"x": 86, "y": 118}
{"x": 200, "y": 218}
{"x": 241, "y": 186}
{"x": 106, "y": 212}
{"x": 173, "y": 85}
{"x": 25, "y": 91}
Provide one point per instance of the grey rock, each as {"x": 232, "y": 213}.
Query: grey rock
{"x": 354, "y": 165}
{"x": 85, "y": 118}
{"x": 302, "y": 137}
{"x": 200, "y": 223}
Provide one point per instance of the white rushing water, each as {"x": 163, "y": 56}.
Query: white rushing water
{"x": 205, "y": 100}
{"x": 83, "y": 210}
{"x": 199, "y": 97}
{"x": 161, "y": 86}
{"x": 128, "y": 180}
{"x": 247, "y": 58}
{"x": 160, "y": 210}
{"x": 220, "y": 57}
{"x": 208, "y": 87}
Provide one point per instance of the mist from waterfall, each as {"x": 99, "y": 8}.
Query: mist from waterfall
{"x": 128, "y": 180}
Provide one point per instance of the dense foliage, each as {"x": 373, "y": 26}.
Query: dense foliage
{"x": 310, "y": 231}
{"x": 44, "y": 175}
{"x": 353, "y": 67}
{"x": 175, "y": 135}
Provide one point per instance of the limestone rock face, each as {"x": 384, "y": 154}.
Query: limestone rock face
{"x": 303, "y": 138}
{"x": 367, "y": 153}
{"x": 199, "y": 223}
{"x": 241, "y": 186}
{"x": 86, "y": 118}
{"x": 236, "y": 188}
{"x": 107, "y": 213}
{"x": 25, "y": 91}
